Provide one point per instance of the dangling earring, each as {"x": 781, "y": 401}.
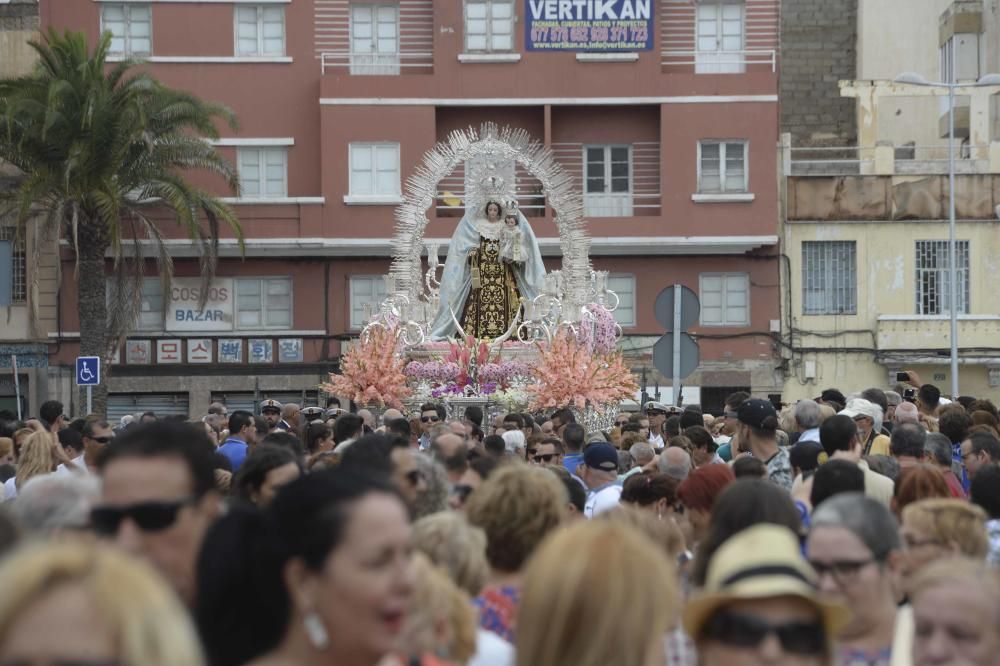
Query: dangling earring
{"x": 315, "y": 631}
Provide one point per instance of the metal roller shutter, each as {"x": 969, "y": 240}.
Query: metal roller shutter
{"x": 161, "y": 404}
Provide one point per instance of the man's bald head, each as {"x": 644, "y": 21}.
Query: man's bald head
{"x": 675, "y": 462}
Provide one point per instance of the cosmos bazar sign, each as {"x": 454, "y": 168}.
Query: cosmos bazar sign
{"x": 183, "y": 313}
{"x": 600, "y": 26}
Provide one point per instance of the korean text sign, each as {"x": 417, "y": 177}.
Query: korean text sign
{"x": 601, "y": 26}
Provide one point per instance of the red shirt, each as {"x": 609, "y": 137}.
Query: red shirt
{"x": 954, "y": 485}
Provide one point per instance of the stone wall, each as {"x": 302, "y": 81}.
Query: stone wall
{"x": 18, "y": 24}
{"x": 818, "y": 49}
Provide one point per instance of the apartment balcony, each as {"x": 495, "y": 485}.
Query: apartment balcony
{"x": 719, "y": 62}
{"x": 926, "y": 338}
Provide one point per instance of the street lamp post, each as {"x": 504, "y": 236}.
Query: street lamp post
{"x": 913, "y": 79}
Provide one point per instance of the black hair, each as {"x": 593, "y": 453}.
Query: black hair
{"x": 701, "y": 438}
{"x": 672, "y": 426}
{"x": 167, "y": 439}
{"x": 734, "y": 400}
{"x": 984, "y": 441}
{"x": 475, "y": 415}
{"x": 475, "y": 433}
{"x": 285, "y": 440}
{"x": 907, "y": 440}
{"x": 649, "y": 488}
{"x": 834, "y": 477}
{"x": 690, "y": 418}
{"x": 514, "y": 418}
{"x": 346, "y": 427}
{"x": 372, "y": 453}
{"x": 484, "y": 466}
{"x": 749, "y": 467}
{"x": 243, "y": 607}
{"x": 238, "y": 420}
{"x": 399, "y": 428}
{"x": 255, "y": 468}
{"x": 564, "y": 415}
{"x": 77, "y": 424}
{"x": 222, "y": 462}
{"x": 93, "y": 424}
{"x": 494, "y": 445}
{"x": 742, "y": 504}
{"x": 930, "y": 395}
{"x": 72, "y": 438}
{"x": 332, "y": 401}
{"x": 573, "y": 436}
{"x": 955, "y": 424}
{"x": 50, "y": 411}
{"x": 315, "y": 433}
{"x": 260, "y": 424}
{"x": 985, "y": 490}
{"x": 837, "y": 433}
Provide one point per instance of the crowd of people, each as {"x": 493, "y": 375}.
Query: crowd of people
{"x": 846, "y": 530}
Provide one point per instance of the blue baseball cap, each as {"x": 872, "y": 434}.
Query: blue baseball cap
{"x": 602, "y": 456}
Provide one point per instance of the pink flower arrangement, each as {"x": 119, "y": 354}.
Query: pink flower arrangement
{"x": 599, "y": 334}
{"x": 568, "y": 374}
{"x": 432, "y": 371}
{"x": 372, "y": 372}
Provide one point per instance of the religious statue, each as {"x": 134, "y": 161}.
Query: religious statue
{"x": 493, "y": 263}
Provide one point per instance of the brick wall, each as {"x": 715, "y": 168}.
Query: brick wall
{"x": 818, "y": 49}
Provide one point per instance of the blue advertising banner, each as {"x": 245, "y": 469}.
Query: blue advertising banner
{"x": 602, "y": 26}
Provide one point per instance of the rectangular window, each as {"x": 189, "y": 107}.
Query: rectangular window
{"x": 722, "y": 166}
{"x": 374, "y": 39}
{"x": 725, "y": 299}
{"x": 263, "y": 172}
{"x": 13, "y": 267}
{"x": 374, "y": 169}
{"x": 367, "y": 292}
{"x": 719, "y": 39}
{"x": 264, "y": 303}
{"x": 131, "y": 28}
{"x": 260, "y": 30}
{"x": 151, "y": 306}
{"x": 489, "y": 26}
{"x": 934, "y": 277}
{"x": 624, "y": 287}
{"x": 829, "y": 277}
{"x": 607, "y": 181}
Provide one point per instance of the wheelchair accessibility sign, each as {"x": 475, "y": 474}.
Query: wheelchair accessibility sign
{"x": 88, "y": 370}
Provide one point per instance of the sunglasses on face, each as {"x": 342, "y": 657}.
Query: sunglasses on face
{"x": 102, "y": 440}
{"x": 148, "y": 516}
{"x": 745, "y": 631}
{"x": 429, "y": 419}
{"x": 544, "y": 457}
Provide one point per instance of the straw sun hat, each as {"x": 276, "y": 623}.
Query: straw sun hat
{"x": 761, "y": 562}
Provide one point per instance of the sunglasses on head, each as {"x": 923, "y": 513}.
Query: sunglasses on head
{"x": 148, "y": 516}
{"x": 544, "y": 457}
{"x": 429, "y": 419}
{"x": 746, "y": 631}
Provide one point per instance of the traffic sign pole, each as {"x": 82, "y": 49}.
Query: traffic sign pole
{"x": 90, "y": 390}
{"x": 677, "y": 345}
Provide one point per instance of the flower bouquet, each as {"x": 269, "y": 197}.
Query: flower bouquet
{"x": 372, "y": 371}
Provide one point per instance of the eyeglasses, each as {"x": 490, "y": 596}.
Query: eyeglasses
{"x": 148, "y": 516}
{"x": 429, "y": 419}
{"x": 841, "y": 570}
{"x": 745, "y": 631}
{"x": 462, "y": 492}
{"x": 544, "y": 457}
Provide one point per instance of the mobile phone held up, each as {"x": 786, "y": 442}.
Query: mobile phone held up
{"x": 902, "y": 376}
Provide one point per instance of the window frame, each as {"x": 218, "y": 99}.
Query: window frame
{"x": 378, "y": 284}
{"x": 374, "y": 195}
{"x": 724, "y": 275}
{"x": 632, "y": 323}
{"x": 262, "y": 153}
{"x": 260, "y": 10}
{"x": 262, "y": 281}
{"x": 18, "y": 264}
{"x": 722, "y": 143}
{"x": 127, "y": 8}
{"x": 708, "y": 66}
{"x": 488, "y": 35}
{"x": 608, "y": 163}
{"x": 849, "y": 310}
{"x": 963, "y": 250}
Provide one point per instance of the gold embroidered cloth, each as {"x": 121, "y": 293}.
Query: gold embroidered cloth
{"x": 494, "y": 299}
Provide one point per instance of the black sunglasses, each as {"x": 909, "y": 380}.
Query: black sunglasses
{"x": 429, "y": 419}
{"x": 148, "y": 516}
{"x": 745, "y": 631}
{"x": 544, "y": 457}
{"x": 103, "y": 440}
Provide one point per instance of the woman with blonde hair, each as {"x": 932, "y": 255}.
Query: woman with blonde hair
{"x": 442, "y": 621}
{"x": 613, "y": 602}
{"x": 105, "y": 608}
{"x": 36, "y": 459}
{"x": 454, "y": 545}
{"x": 936, "y": 528}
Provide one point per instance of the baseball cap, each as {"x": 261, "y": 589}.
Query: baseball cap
{"x": 266, "y": 405}
{"x": 862, "y": 407}
{"x": 758, "y": 413}
{"x": 602, "y": 456}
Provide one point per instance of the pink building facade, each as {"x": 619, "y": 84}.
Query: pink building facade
{"x": 674, "y": 150}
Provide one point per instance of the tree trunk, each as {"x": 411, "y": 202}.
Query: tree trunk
{"x": 92, "y": 306}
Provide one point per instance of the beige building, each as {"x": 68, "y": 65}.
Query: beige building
{"x": 865, "y": 227}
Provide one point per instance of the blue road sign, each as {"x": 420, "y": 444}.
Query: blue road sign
{"x": 88, "y": 370}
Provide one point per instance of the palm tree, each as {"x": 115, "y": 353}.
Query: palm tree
{"x": 106, "y": 151}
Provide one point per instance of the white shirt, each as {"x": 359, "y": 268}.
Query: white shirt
{"x": 9, "y": 489}
{"x": 80, "y": 466}
{"x": 601, "y": 500}
{"x": 491, "y": 650}
{"x": 811, "y": 435}
{"x": 656, "y": 441}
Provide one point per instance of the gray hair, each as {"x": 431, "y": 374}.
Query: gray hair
{"x": 893, "y": 398}
{"x": 56, "y": 501}
{"x": 938, "y": 447}
{"x": 642, "y": 453}
{"x": 867, "y": 519}
{"x": 678, "y": 468}
{"x": 807, "y": 414}
{"x": 435, "y": 498}
{"x": 513, "y": 440}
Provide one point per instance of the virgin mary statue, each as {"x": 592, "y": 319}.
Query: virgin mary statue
{"x": 482, "y": 287}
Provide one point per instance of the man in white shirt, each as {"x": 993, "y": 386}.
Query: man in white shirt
{"x": 599, "y": 472}
{"x": 657, "y": 414}
{"x": 96, "y": 435}
{"x": 807, "y": 420}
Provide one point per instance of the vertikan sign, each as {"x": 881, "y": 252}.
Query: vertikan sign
{"x": 607, "y": 26}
